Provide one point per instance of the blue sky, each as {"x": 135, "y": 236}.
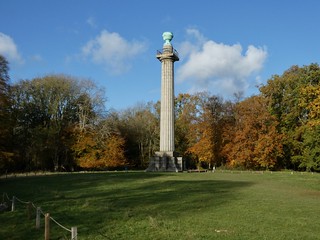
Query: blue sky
{"x": 225, "y": 46}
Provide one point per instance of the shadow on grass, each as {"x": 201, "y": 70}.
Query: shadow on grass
{"x": 107, "y": 201}
{"x": 159, "y": 196}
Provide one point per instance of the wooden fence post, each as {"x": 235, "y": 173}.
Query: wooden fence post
{"x": 47, "y": 226}
{"x": 13, "y": 207}
{"x": 29, "y": 209}
{"x": 74, "y": 233}
{"x": 38, "y": 217}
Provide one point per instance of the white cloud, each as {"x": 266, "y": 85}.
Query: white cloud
{"x": 92, "y": 22}
{"x": 196, "y": 40}
{"x": 9, "y": 49}
{"x": 36, "y": 58}
{"x": 112, "y": 51}
{"x": 217, "y": 67}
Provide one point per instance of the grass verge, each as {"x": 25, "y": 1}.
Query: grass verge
{"x": 138, "y": 205}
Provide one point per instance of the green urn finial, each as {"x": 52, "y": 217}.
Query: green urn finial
{"x": 167, "y": 37}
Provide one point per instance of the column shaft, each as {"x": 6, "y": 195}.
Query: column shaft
{"x": 167, "y": 106}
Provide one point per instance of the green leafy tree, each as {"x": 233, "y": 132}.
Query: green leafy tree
{"x": 309, "y": 158}
{"x": 44, "y": 110}
{"x": 6, "y": 153}
{"x": 139, "y": 126}
{"x": 292, "y": 98}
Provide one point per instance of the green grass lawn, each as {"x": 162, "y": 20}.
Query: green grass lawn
{"x": 138, "y": 205}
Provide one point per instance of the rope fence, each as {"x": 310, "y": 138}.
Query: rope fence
{"x": 30, "y": 207}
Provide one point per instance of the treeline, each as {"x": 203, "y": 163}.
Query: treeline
{"x": 60, "y": 123}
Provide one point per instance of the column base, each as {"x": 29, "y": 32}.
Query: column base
{"x": 165, "y": 162}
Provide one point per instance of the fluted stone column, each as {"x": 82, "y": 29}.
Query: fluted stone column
{"x": 166, "y": 159}
{"x": 167, "y": 58}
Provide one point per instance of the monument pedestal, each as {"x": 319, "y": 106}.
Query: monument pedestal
{"x": 165, "y": 162}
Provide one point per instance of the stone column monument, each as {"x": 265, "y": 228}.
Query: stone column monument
{"x": 166, "y": 159}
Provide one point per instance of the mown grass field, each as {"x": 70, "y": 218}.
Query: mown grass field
{"x": 138, "y": 205}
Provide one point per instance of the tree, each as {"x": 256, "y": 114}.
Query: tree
{"x": 200, "y": 122}
{"x": 96, "y": 149}
{"x": 310, "y": 101}
{"x": 293, "y": 99}
{"x": 6, "y": 153}
{"x": 139, "y": 126}
{"x": 209, "y": 127}
{"x": 309, "y": 155}
{"x": 187, "y": 109}
{"x": 218, "y": 112}
{"x": 309, "y": 159}
{"x": 44, "y": 110}
{"x": 253, "y": 141}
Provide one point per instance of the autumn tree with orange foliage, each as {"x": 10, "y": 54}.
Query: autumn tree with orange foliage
{"x": 186, "y": 112}
{"x": 208, "y": 130}
{"x": 200, "y": 120}
{"x": 254, "y": 142}
{"x": 94, "y": 150}
{"x": 189, "y": 109}
{"x": 310, "y": 100}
